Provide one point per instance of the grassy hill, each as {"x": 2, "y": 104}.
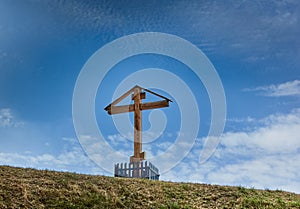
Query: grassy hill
{"x": 29, "y": 188}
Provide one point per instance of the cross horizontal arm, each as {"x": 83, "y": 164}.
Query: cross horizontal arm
{"x": 130, "y": 108}
{"x": 119, "y": 109}
{"x": 154, "y": 105}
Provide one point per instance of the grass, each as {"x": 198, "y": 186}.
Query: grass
{"x": 29, "y": 188}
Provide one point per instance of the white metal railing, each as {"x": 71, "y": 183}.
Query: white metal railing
{"x": 143, "y": 169}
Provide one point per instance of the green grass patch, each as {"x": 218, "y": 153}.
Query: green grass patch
{"x": 29, "y": 188}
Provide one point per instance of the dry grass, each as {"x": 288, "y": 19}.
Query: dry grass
{"x": 29, "y": 188}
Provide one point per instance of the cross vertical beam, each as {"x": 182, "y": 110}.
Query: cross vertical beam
{"x": 137, "y": 154}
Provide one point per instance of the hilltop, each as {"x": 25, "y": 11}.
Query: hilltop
{"x": 30, "y": 188}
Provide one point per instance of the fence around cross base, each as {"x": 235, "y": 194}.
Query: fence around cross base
{"x": 143, "y": 169}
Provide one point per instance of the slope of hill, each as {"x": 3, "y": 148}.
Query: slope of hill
{"x": 29, "y": 188}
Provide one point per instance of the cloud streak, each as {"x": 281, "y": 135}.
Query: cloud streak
{"x": 289, "y": 88}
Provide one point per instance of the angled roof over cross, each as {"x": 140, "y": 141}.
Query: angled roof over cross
{"x": 113, "y": 109}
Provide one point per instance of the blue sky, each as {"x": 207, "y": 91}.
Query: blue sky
{"x": 253, "y": 45}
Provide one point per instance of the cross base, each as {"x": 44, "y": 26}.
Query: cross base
{"x": 134, "y": 159}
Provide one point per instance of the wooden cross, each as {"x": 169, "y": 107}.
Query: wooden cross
{"x": 137, "y": 94}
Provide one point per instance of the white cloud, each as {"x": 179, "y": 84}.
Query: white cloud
{"x": 7, "y": 119}
{"x": 118, "y": 140}
{"x": 267, "y": 157}
{"x": 290, "y": 88}
{"x": 280, "y": 133}
{"x": 241, "y": 120}
{"x": 274, "y": 172}
{"x": 72, "y": 158}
